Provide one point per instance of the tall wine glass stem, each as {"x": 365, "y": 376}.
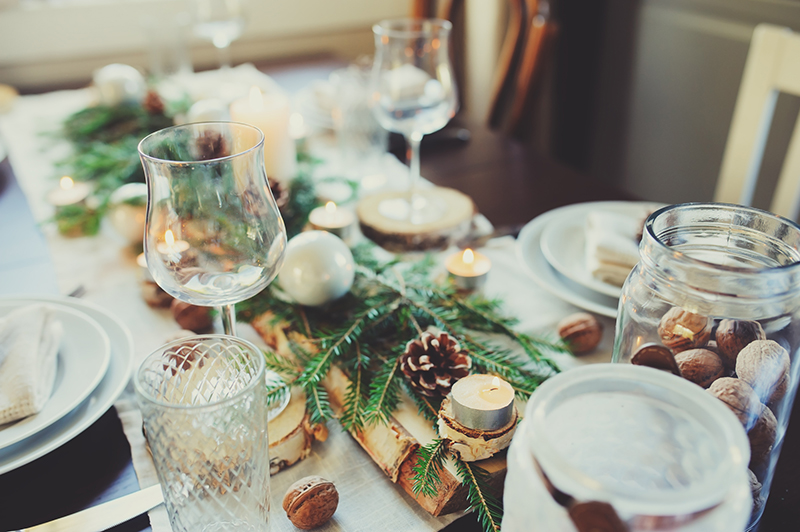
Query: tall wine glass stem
{"x": 413, "y": 141}
{"x": 228, "y": 319}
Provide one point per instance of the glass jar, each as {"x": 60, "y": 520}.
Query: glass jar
{"x": 715, "y": 298}
{"x": 606, "y": 443}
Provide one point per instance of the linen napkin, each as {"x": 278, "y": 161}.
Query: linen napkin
{"x": 29, "y": 342}
{"x": 612, "y": 244}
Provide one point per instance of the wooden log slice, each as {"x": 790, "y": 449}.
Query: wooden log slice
{"x": 402, "y": 235}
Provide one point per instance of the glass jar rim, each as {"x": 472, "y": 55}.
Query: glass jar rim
{"x": 258, "y": 378}
{"x": 729, "y": 436}
{"x": 404, "y": 27}
{"x": 195, "y": 125}
{"x": 656, "y": 239}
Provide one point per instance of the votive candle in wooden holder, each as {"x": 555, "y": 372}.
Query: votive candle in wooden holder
{"x": 483, "y": 402}
{"x": 468, "y": 269}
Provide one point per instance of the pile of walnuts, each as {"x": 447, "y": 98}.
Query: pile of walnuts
{"x": 735, "y": 362}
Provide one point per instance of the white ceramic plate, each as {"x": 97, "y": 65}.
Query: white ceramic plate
{"x": 82, "y": 362}
{"x": 564, "y": 244}
{"x": 94, "y": 406}
{"x": 530, "y": 254}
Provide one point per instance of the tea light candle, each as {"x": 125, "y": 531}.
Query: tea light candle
{"x": 68, "y": 192}
{"x": 172, "y": 248}
{"x": 271, "y": 114}
{"x": 141, "y": 260}
{"x": 483, "y": 402}
{"x": 330, "y": 218}
{"x": 469, "y": 269}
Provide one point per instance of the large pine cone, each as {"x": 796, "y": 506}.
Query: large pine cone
{"x": 434, "y": 362}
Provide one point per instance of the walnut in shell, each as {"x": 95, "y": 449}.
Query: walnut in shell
{"x": 581, "y": 332}
{"x": 733, "y": 335}
{"x": 192, "y": 317}
{"x": 755, "y": 490}
{"x": 739, "y": 397}
{"x": 680, "y": 329}
{"x": 701, "y": 366}
{"x": 762, "y": 437}
{"x": 310, "y": 502}
{"x": 656, "y": 356}
{"x": 764, "y": 365}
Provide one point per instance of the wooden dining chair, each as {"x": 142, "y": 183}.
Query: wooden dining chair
{"x": 772, "y": 66}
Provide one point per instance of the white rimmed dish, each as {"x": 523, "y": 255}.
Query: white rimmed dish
{"x": 82, "y": 361}
{"x": 95, "y": 405}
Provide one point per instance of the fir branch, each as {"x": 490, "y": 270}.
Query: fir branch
{"x": 480, "y": 495}
{"x": 276, "y": 392}
{"x": 428, "y": 407}
{"x": 352, "y": 418}
{"x": 384, "y": 392}
{"x": 317, "y": 403}
{"x": 279, "y": 364}
{"x": 427, "y": 471}
{"x": 318, "y": 367}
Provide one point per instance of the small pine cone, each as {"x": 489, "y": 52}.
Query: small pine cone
{"x": 433, "y": 363}
{"x": 211, "y": 145}
{"x": 153, "y": 103}
{"x": 280, "y": 192}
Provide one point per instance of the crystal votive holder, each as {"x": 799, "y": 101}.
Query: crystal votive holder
{"x": 204, "y": 406}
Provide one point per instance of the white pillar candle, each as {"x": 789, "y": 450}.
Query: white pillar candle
{"x": 483, "y": 402}
{"x": 340, "y": 222}
{"x": 271, "y": 114}
{"x": 68, "y": 192}
{"x": 469, "y": 269}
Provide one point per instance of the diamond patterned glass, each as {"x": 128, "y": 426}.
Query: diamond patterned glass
{"x": 204, "y": 405}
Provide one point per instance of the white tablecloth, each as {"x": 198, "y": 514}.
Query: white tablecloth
{"x": 107, "y": 269}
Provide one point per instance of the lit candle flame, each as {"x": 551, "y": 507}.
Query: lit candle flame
{"x": 330, "y": 206}
{"x": 169, "y": 238}
{"x": 256, "y": 99}
{"x": 468, "y": 257}
{"x": 66, "y": 182}
{"x": 496, "y": 382}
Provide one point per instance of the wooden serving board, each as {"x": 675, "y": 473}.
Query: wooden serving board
{"x": 392, "y": 446}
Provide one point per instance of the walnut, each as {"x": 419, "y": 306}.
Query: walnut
{"x": 155, "y": 296}
{"x": 310, "y": 502}
{"x": 680, "y": 329}
{"x": 701, "y": 366}
{"x": 581, "y": 332}
{"x": 755, "y": 490}
{"x": 739, "y": 397}
{"x": 733, "y": 335}
{"x": 764, "y": 364}
{"x": 762, "y": 437}
{"x": 656, "y": 356}
{"x": 192, "y": 317}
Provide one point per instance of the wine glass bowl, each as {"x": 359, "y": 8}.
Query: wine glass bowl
{"x": 213, "y": 234}
{"x": 220, "y": 22}
{"x": 413, "y": 93}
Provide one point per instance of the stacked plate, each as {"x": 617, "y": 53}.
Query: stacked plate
{"x": 552, "y": 249}
{"x": 94, "y": 364}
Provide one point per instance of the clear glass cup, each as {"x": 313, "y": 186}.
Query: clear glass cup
{"x": 712, "y": 280}
{"x": 651, "y": 449}
{"x": 204, "y": 406}
{"x": 414, "y": 94}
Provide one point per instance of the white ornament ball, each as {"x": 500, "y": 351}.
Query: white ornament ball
{"x": 127, "y": 211}
{"x": 117, "y": 83}
{"x": 211, "y": 110}
{"x": 318, "y": 268}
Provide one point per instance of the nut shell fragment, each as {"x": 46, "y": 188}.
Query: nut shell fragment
{"x": 701, "y": 366}
{"x": 680, "y": 329}
{"x": 310, "y": 502}
{"x": 656, "y": 356}
{"x": 582, "y": 332}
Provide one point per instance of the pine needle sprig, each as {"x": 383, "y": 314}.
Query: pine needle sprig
{"x": 384, "y": 391}
{"x": 480, "y": 495}
{"x": 428, "y": 469}
{"x": 318, "y": 403}
{"x": 280, "y": 364}
{"x": 428, "y": 406}
{"x": 352, "y": 417}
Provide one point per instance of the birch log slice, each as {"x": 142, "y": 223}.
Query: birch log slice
{"x": 402, "y": 235}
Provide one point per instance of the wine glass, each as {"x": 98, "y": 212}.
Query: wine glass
{"x": 413, "y": 93}
{"x": 213, "y": 234}
{"x": 221, "y": 22}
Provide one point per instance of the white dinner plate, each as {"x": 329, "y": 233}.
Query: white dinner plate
{"x": 82, "y": 361}
{"x": 563, "y": 241}
{"x": 535, "y": 263}
{"x": 94, "y": 406}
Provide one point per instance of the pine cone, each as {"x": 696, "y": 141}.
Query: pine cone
{"x": 211, "y": 145}
{"x": 433, "y": 363}
{"x": 153, "y": 103}
{"x": 279, "y": 192}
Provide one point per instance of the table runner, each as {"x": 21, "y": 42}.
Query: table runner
{"x": 106, "y": 267}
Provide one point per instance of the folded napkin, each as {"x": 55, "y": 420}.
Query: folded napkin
{"x": 29, "y": 341}
{"x": 612, "y": 244}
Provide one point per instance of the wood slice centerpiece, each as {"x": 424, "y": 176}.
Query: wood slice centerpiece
{"x": 402, "y": 235}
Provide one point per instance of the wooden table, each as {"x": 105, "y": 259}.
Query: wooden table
{"x": 510, "y": 185}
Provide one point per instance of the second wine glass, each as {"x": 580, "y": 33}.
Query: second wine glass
{"x": 414, "y": 94}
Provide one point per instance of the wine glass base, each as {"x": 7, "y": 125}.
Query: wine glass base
{"x": 420, "y": 209}
{"x": 280, "y": 401}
